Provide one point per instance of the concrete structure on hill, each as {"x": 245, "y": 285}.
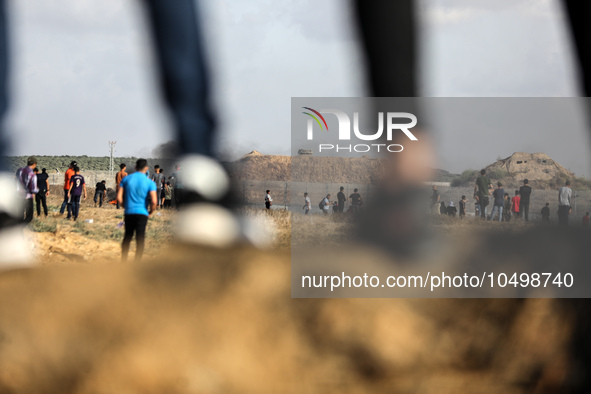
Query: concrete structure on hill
{"x": 533, "y": 166}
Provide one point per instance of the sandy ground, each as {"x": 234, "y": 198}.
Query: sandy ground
{"x": 57, "y": 241}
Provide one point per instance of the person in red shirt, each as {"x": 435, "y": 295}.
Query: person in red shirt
{"x": 515, "y": 201}
{"x": 69, "y": 174}
{"x": 586, "y": 220}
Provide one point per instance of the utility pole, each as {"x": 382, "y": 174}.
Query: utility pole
{"x": 112, "y": 158}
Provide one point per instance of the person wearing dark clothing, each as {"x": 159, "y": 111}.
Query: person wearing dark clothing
{"x": 158, "y": 178}
{"x": 463, "y": 207}
{"x": 341, "y": 200}
{"x": 507, "y": 208}
{"x": 43, "y": 186}
{"x": 524, "y": 193}
{"x": 499, "y": 202}
{"x": 100, "y": 193}
{"x": 355, "y": 200}
{"x": 451, "y": 209}
{"x": 546, "y": 213}
{"x": 483, "y": 184}
{"x": 77, "y": 186}
{"x": 442, "y": 208}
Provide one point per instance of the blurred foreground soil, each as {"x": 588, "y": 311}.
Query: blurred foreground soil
{"x": 198, "y": 320}
{"x": 210, "y": 321}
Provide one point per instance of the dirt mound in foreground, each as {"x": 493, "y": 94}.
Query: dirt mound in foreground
{"x": 224, "y": 322}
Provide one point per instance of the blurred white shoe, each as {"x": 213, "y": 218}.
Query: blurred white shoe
{"x": 205, "y": 217}
{"x": 203, "y": 176}
{"x": 16, "y": 249}
{"x": 207, "y": 224}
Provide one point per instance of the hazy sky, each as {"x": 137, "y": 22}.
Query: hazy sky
{"x": 83, "y": 73}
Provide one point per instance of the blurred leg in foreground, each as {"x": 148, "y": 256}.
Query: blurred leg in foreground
{"x": 387, "y": 30}
{"x": 15, "y": 250}
{"x": 201, "y": 181}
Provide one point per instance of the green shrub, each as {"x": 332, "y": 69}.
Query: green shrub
{"x": 465, "y": 177}
{"x": 497, "y": 173}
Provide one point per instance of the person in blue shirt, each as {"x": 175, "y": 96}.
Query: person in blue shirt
{"x": 138, "y": 196}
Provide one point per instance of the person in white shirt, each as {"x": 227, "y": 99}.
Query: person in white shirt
{"x": 268, "y": 200}
{"x": 326, "y": 204}
{"x": 307, "y": 204}
{"x": 564, "y": 208}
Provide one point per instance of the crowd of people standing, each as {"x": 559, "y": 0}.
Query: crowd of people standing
{"x": 504, "y": 207}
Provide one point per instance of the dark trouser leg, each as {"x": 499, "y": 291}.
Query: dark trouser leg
{"x": 41, "y": 198}
{"x": 525, "y": 208}
{"x": 65, "y": 203}
{"x": 178, "y": 195}
{"x": 183, "y": 73}
{"x": 4, "y": 145}
{"x": 130, "y": 226}
{"x": 29, "y": 210}
{"x": 69, "y": 207}
{"x": 579, "y": 16}
{"x": 563, "y": 214}
{"x": 75, "y": 206}
{"x": 101, "y": 196}
{"x": 387, "y": 30}
{"x": 140, "y": 236}
{"x": 38, "y": 203}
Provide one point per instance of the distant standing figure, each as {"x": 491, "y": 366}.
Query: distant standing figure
{"x": 507, "y": 208}
{"x": 178, "y": 187}
{"x": 451, "y": 209}
{"x": 499, "y": 197}
{"x": 564, "y": 197}
{"x": 442, "y": 208}
{"x": 326, "y": 204}
{"x": 515, "y": 203}
{"x": 524, "y": 193}
{"x": 27, "y": 186}
{"x": 135, "y": 190}
{"x": 167, "y": 195}
{"x": 586, "y": 220}
{"x": 307, "y": 204}
{"x": 43, "y": 186}
{"x": 268, "y": 199}
{"x": 100, "y": 193}
{"x": 434, "y": 201}
{"x": 158, "y": 178}
{"x": 483, "y": 184}
{"x": 355, "y": 199}
{"x": 77, "y": 185}
{"x": 462, "y": 204}
{"x": 69, "y": 174}
{"x": 546, "y": 213}
{"x": 162, "y": 196}
{"x": 119, "y": 177}
{"x": 341, "y": 200}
